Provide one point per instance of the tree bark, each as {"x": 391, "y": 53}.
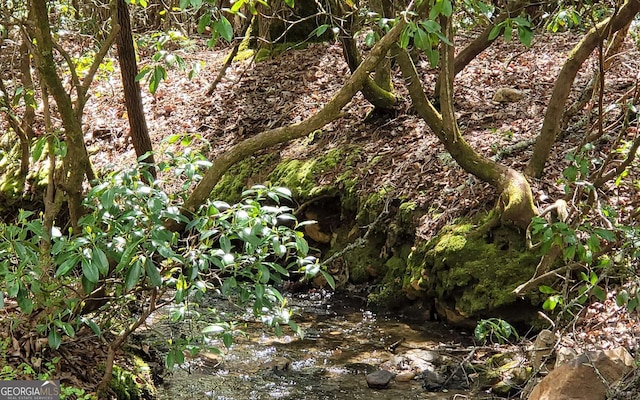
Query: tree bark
{"x": 76, "y": 162}
{"x": 328, "y": 113}
{"x": 579, "y": 54}
{"x": 375, "y": 91}
{"x": 515, "y": 205}
{"x": 132, "y": 96}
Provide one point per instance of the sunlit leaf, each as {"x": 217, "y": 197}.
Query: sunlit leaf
{"x": 224, "y": 28}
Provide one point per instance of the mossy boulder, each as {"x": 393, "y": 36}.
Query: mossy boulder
{"x": 472, "y": 276}
{"x": 466, "y": 276}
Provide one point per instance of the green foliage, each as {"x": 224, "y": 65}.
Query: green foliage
{"x": 164, "y": 59}
{"x": 494, "y": 330}
{"x": 122, "y": 246}
{"x": 584, "y": 238}
{"x": 522, "y": 25}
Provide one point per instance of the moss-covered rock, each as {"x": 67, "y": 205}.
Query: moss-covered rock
{"x": 133, "y": 382}
{"x": 240, "y": 177}
{"x": 469, "y": 274}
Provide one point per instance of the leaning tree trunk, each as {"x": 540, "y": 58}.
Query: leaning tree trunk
{"x": 377, "y": 92}
{"x": 564, "y": 82}
{"x": 515, "y": 205}
{"x": 132, "y": 97}
{"x": 330, "y": 112}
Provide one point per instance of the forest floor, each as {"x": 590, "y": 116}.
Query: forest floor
{"x": 296, "y": 84}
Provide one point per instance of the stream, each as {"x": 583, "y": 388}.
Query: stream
{"x": 343, "y": 342}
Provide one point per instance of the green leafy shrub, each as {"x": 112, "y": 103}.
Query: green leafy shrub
{"x": 123, "y": 256}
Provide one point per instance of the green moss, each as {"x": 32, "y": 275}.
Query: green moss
{"x": 263, "y": 54}
{"x": 241, "y": 176}
{"x": 372, "y": 205}
{"x": 133, "y": 384}
{"x": 307, "y": 178}
{"x": 244, "y": 55}
{"x": 362, "y": 260}
{"x": 390, "y": 293}
{"x": 474, "y": 273}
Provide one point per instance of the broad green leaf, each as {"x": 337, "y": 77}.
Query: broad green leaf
{"x": 152, "y": 272}
{"x": 319, "y": 31}
{"x": 143, "y": 72}
{"x": 55, "y": 339}
{"x": 546, "y": 289}
{"x": 227, "y": 338}
{"x": 90, "y": 270}
{"x": 508, "y": 31}
{"x": 100, "y": 259}
{"x": 525, "y": 35}
{"x": 431, "y": 26}
{"x": 67, "y": 265}
{"x": 622, "y": 298}
{"x": 550, "y": 304}
{"x": 237, "y": 5}
{"x": 224, "y": 28}
{"x": 447, "y": 8}
{"x": 421, "y": 39}
{"x": 329, "y": 278}
{"x": 405, "y": 36}
{"x": 433, "y": 55}
{"x": 214, "y": 329}
{"x": 495, "y": 32}
{"x": 25, "y": 303}
{"x": 133, "y": 275}
{"x": 290, "y": 3}
{"x": 599, "y": 293}
{"x": 370, "y": 39}
{"x": 91, "y": 324}
{"x": 38, "y": 149}
{"x": 184, "y": 4}
{"x": 203, "y": 22}
{"x": 606, "y": 234}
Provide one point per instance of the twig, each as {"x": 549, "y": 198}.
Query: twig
{"x": 460, "y": 366}
{"x": 361, "y": 241}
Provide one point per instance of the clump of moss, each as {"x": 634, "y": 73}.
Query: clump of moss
{"x": 133, "y": 383}
{"x": 475, "y": 273}
{"x": 311, "y": 178}
{"x": 243, "y": 175}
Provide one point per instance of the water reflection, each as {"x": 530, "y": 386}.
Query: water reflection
{"x": 343, "y": 343}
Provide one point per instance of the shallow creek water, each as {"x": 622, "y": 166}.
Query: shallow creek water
{"x": 343, "y": 342}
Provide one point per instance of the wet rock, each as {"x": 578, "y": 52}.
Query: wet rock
{"x": 586, "y": 377}
{"x": 405, "y": 376}
{"x": 433, "y": 381}
{"x": 422, "y": 360}
{"x": 542, "y": 348}
{"x": 277, "y": 364}
{"x": 360, "y": 368}
{"x": 379, "y": 379}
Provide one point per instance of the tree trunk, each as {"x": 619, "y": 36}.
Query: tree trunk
{"x": 377, "y": 92}
{"x": 515, "y": 205}
{"x": 579, "y": 54}
{"x": 132, "y": 96}
{"x": 268, "y": 138}
{"x": 76, "y": 162}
